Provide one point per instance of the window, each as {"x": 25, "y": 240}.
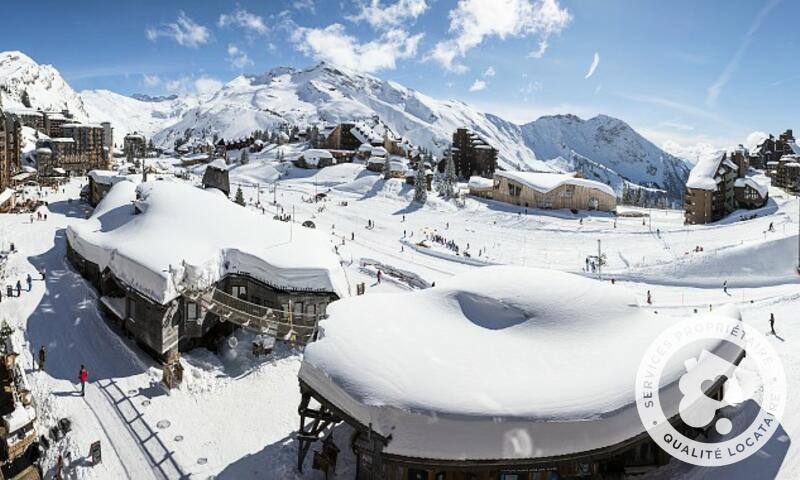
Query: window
{"x": 297, "y": 309}
{"x": 311, "y": 309}
{"x": 131, "y": 309}
{"x": 192, "y": 313}
{"x": 510, "y": 476}
{"x": 414, "y": 474}
{"x": 239, "y": 291}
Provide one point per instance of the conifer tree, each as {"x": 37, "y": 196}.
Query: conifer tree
{"x": 239, "y": 196}
{"x": 421, "y": 184}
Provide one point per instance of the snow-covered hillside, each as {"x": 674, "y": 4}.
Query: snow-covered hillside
{"x": 603, "y": 148}
{"x": 128, "y": 114}
{"x": 606, "y": 149}
{"x": 329, "y": 94}
{"x": 24, "y": 83}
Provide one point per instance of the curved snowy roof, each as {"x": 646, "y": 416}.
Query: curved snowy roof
{"x": 546, "y": 182}
{"x": 480, "y": 182}
{"x": 460, "y": 370}
{"x": 187, "y": 237}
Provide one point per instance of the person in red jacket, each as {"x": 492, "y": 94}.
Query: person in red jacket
{"x": 83, "y": 376}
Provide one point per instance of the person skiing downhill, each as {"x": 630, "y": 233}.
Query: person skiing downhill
{"x": 83, "y": 376}
{"x": 772, "y": 323}
{"x": 380, "y": 274}
{"x": 649, "y": 298}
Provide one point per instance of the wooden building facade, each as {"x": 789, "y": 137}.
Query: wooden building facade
{"x": 552, "y": 191}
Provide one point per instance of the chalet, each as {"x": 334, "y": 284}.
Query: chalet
{"x": 472, "y": 155}
{"x": 339, "y": 137}
{"x": 717, "y": 186}
{"x": 546, "y": 416}
{"x": 411, "y": 177}
{"x": 100, "y": 183}
{"x": 216, "y": 176}
{"x": 552, "y": 190}
{"x": 314, "y": 158}
{"x": 481, "y": 187}
{"x": 176, "y": 266}
{"x": 749, "y": 194}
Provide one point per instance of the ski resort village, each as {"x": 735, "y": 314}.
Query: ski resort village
{"x": 238, "y": 241}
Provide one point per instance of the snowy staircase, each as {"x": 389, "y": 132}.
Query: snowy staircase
{"x": 257, "y": 318}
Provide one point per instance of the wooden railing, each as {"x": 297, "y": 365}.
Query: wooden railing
{"x": 297, "y": 327}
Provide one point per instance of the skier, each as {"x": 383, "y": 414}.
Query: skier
{"x": 30, "y": 282}
{"x": 43, "y": 273}
{"x": 771, "y": 227}
{"x": 772, "y": 323}
{"x": 380, "y": 274}
{"x": 725, "y": 286}
{"x": 42, "y": 358}
{"x": 83, "y": 376}
{"x": 352, "y": 236}
{"x": 649, "y": 298}
{"x": 19, "y": 288}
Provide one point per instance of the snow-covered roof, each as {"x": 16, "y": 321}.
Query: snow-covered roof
{"x": 546, "y": 182}
{"x": 702, "y": 176}
{"x": 480, "y": 182}
{"x": 63, "y": 140}
{"x": 106, "y": 177}
{"x": 749, "y": 182}
{"x": 461, "y": 370}
{"x": 317, "y": 153}
{"x": 218, "y": 164}
{"x": 134, "y": 136}
{"x": 187, "y": 237}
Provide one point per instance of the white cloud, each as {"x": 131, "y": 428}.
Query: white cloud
{"x": 539, "y": 52}
{"x": 237, "y": 58}
{"x": 203, "y": 85}
{"x": 477, "y": 86}
{"x": 184, "y": 30}
{"x": 529, "y": 89}
{"x": 392, "y": 15}
{"x": 333, "y": 44}
{"x": 593, "y": 66}
{"x": 307, "y": 5}
{"x": 151, "y": 80}
{"x": 489, "y": 72}
{"x": 716, "y": 88}
{"x": 244, "y": 19}
{"x": 472, "y": 21}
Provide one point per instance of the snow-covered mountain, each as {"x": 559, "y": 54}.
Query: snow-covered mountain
{"x": 603, "y": 148}
{"x": 24, "y": 83}
{"x": 606, "y": 149}
{"x": 148, "y": 116}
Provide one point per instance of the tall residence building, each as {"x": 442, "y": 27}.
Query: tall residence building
{"x": 134, "y": 145}
{"x": 10, "y": 147}
{"x": 772, "y": 149}
{"x": 714, "y": 185}
{"x": 472, "y": 155}
{"x": 89, "y": 143}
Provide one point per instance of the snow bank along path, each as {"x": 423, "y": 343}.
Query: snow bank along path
{"x": 186, "y": 237}
{"x": 494, "y": 356}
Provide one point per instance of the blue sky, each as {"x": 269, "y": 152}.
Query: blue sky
{"x": 686, "y": 71}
